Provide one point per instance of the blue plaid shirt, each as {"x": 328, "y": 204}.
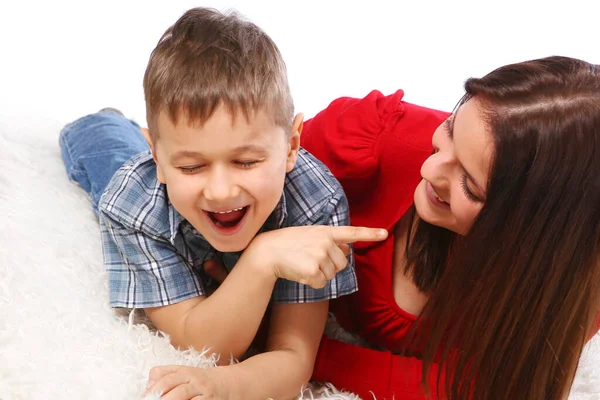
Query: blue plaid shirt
{"x": 154, "y": 257}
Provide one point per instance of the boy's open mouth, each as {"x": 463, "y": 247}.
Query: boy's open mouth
{"x": 228, "y": 219}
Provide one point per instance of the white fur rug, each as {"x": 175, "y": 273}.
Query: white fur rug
{"x": 58, "y": 337}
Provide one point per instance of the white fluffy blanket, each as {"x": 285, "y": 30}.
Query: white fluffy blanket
{"x": 58, "y": 337}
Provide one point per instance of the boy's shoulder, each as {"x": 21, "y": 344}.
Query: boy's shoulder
{"x": 311, "y": 191}
{"x": 137, "y": 200}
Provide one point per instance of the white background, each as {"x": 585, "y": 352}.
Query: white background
{"x": 61, "y": 59}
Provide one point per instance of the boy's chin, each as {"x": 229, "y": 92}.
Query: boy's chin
{"x": 232, "y": 244}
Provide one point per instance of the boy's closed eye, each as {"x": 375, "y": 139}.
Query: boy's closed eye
{"x": 191, "y": 169}
{"x": 247, "y": 164}
{"x": 242, "y": 164}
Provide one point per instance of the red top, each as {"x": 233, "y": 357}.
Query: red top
{"x": 375, "y": 147}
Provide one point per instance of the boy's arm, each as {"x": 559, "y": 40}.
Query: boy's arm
{"x": 226, "y": 321}
{"x": 296, "y": 326}
{"x": 280, "y": 373}
{"x": 146, "y": 271}
{"x": 294, "y": 336}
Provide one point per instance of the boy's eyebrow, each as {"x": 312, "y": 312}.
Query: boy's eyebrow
{"x": 185, "y": 154}
{"x": 248, "y": 148}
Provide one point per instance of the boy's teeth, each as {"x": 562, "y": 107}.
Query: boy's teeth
{"x": 230, "y": 211}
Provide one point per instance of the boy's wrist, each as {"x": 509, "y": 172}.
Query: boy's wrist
{"x": 259, "y": 257}
{"x": 230, "y": 379}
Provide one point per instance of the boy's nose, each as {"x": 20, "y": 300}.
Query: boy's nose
{"x": 220, "y": 187}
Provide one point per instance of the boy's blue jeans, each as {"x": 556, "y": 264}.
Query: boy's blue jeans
{"x": 94, "y": 147}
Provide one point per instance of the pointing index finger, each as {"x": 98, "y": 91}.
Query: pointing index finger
{"x": 351, "y": 234}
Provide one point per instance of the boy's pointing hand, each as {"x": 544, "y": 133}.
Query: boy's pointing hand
{"x": 310, "y": 255}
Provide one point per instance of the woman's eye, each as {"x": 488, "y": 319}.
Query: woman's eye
{"x": 465, "y": 187}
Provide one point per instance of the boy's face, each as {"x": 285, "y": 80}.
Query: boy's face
{"x": 226, "y": 176}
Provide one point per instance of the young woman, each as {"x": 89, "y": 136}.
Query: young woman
{"x": 488, "y": 284}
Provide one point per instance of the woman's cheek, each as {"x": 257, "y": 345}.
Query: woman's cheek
{"x": 465, "y": 215}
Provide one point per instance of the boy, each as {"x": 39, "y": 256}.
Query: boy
{"x": 225, "y": 164}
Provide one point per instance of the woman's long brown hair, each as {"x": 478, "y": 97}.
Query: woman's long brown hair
{"x": 512, "y": 302}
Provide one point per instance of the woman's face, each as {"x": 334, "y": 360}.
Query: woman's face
{"x": 453, "y": 188}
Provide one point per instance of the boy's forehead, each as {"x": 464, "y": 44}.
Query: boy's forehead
{"x": 253, "y": 121}
{"x": 237, "y": 129}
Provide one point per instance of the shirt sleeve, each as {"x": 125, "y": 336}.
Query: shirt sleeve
{"x": 335, "y": 213}
{"x": 143, "y": 270}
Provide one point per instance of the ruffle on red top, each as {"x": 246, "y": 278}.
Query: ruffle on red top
{"x": 375, "y": 147}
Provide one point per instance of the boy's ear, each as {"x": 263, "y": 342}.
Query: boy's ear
{"x": 146, "y": 134}
{"x": 294, "y": 141}
{"x": 159, "y": 173}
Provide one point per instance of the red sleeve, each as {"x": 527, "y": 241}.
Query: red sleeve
{"x": 375, "y": 147}
{"x": 367, "y": 372}
{"x": 345, "y": 134}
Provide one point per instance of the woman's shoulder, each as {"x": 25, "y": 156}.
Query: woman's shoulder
{"x": 351, "y": 132}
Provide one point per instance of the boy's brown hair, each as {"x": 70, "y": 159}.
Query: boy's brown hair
{"x": 207, "y": 59}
